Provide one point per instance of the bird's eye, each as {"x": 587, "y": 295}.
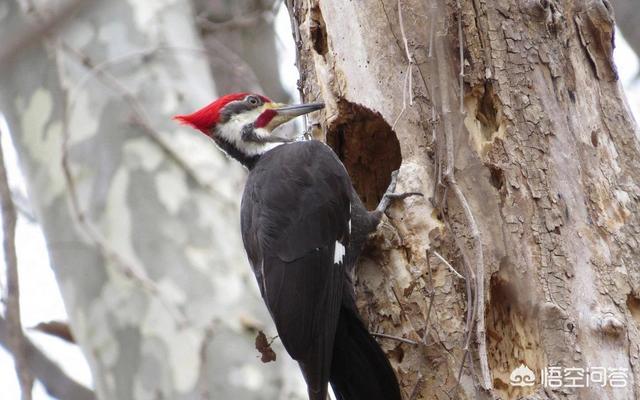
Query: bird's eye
{"x": 253, "y": 100}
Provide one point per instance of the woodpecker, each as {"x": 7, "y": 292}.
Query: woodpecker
{"x": 303, "y": 228}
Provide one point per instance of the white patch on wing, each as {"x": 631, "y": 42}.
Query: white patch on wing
{"x": 349, "y": 219}
{"x": 230, "y": 131}
{"x": 264, "y": 282}
{"x": 338, "y": 254}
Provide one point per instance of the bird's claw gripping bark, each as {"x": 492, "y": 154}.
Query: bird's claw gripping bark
{"x": 390, "y": 194}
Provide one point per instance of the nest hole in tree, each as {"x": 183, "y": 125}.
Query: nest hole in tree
{"x": 318, "y": 32}
{"x": 497, "y": 177}
{"x": 487, "y": 112}
{"x": 634, "y": 306}
{"x": 368, "y": 148}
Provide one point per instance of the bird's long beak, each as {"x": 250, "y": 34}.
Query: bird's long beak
{"x": 297, "y": 110}
{"x": 278, "y": 113}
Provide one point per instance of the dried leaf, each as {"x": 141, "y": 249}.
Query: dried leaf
{"x": 59, "y": 329}
{"x": 264, "y": 347}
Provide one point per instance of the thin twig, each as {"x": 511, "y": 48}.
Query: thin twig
{"x": 217, "y": 53}
{"x": 471, "y": 300}
{"x": 465, "y": 355}
{"x": 399, "y": 339}
{"x": 408, "y": 80}
{"x": 403, "y": 313}
{"x": 250, "y": 20}
{"x": 461, "y": 55}
{"x": 456, "y": 273}
{"x": 432, "y": 292}
{"x": 12, "y": 300}
{"x": 405, "y": 88}
{"x": 297, "y": 37}
{"x": 479, "y": 286}
{"x": 475, "y": 264}
{"x": 405, "y": 41}
{"x": 203, "y": 384}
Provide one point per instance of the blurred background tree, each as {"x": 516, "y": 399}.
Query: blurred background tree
{"x": 140, "y": 216}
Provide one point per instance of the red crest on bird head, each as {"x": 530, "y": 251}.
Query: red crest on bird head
{"x": 208, "y": 116}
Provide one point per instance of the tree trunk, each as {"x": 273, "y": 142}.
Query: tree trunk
{"x": 530, "y": 176}
{"x": 143, "y": 236}
{"x": 241, "y": 34}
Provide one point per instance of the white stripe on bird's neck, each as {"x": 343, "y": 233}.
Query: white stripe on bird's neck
{"x": 231, "y": 130}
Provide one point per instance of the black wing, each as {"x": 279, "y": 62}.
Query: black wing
{"x": 295, "y": 212}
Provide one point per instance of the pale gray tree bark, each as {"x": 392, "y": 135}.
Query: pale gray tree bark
{"x": 140, "y": 216}
{"x": 530, "y": 168}
{"x": 242, "y": 36}
{"x": 627, "y": 15}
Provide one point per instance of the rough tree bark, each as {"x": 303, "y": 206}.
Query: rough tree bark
{"x": 143, "y": 235}
{"x": 531, "y": 181}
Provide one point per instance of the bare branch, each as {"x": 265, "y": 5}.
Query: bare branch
{"x": 12, "y": 300}
{"x": 293, "y": 15}
{"x": 432, "y": 293}
{"x": 405, "y": 87}
{"x": 408, "y": 80}
{"x": 404, "y": 36}
{"x": 399, "y": 339}
{"x": 45, "y": 28}
{"x": 475, "y": 263}
{"x": 238, "y": 22}
{"x": 479, "y": 286}
{"x": 461, "y": 55}
{"x": 56, "y": 382}
{"x": 456, "y": 273}
{"x": 203, "y": 386}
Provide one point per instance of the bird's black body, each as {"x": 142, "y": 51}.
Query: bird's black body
{"x": 303, "y": 227}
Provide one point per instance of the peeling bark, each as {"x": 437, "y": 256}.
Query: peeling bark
{"x": 545, "y": 155}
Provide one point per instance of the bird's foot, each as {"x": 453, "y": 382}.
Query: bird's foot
{"x": 390, "y": 194}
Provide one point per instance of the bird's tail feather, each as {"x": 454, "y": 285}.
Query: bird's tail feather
{"x": 360, "y": 369}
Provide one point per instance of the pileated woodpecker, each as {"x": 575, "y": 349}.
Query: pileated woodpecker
{"x": 303, "y": 228}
